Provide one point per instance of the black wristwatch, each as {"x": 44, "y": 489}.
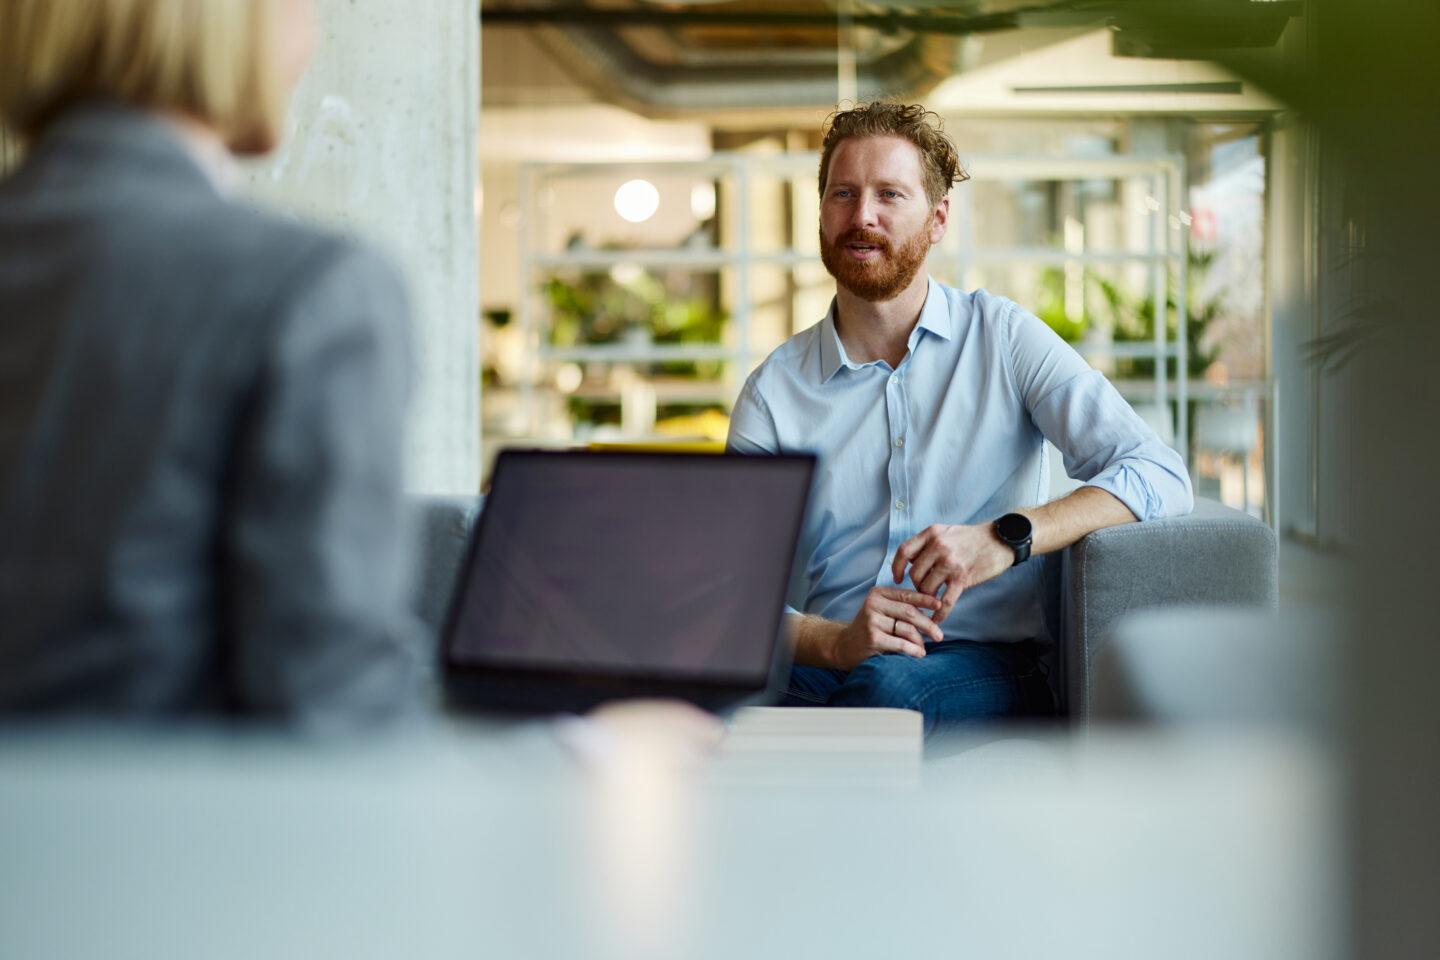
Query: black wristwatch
{"x": 1014, "y": 530}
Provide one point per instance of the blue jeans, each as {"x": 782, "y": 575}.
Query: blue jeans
{"x": 956, "y": 683}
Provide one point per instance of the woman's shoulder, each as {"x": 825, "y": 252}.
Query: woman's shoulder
{"x": 274, "y": 263}
{"x": 277, "y": 243}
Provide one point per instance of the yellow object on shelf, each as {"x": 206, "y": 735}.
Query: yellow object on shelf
{"x": 697, "y": 433}
{"x": 708, "y": 425}
{"x": 660, "y": 446}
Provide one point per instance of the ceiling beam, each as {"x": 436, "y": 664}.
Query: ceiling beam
{"x": 1122, "y": 13}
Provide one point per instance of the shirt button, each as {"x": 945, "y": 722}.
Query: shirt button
{"x": 899, "y": 504}
{"x": 899, "y": 441}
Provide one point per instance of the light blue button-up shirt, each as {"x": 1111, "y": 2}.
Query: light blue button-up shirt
{"x": 954, "y": 435}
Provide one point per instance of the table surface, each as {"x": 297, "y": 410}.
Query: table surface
{"x": 465, "y": 839}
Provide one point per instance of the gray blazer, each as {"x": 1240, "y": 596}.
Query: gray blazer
{"x": 200, "y": 423}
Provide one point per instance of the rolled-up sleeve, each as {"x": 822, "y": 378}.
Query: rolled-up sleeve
{"x": 1104, "y": 442}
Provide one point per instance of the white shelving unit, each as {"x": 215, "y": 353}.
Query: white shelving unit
{"x": 1166, "y": 247}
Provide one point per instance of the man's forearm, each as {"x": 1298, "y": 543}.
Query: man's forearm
{"x": 812, "y": 638}
{"x": 1061, "y": 522}
{"x": 960, "y": 556}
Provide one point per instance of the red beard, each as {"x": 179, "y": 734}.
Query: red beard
{"x": 883, "y": 277}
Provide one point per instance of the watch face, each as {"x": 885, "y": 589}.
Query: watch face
{"x": 1013, "y": 528}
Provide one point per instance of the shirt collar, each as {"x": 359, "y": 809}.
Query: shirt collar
{"x": 143, "y": 141}
{"x": 935, "y": 315}
{"x": 934, "y": 318}
{"x": 213, "y": 159}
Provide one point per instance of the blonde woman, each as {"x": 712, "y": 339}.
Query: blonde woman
{"x": 200, "y": 404}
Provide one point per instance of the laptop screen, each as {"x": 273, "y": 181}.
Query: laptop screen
{"x": 626, "y": 563}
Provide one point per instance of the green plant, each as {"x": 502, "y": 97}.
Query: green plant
{"x": 1050, "y": 307}
{"x": 1133, "y": 320}
{"x": 592, "y": 307}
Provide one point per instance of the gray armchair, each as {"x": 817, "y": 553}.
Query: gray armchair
{"x": 1216, "y": 556}
{"x": 442, "y": 528}
{"x": 1213, "y": 557}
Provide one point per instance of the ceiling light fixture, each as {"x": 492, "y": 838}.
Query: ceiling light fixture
{"x": 637, "y": 200}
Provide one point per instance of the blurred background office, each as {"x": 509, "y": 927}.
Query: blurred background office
{"x": 607, "y": 212}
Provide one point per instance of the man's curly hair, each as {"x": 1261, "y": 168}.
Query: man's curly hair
{"x": 911, "y": 122}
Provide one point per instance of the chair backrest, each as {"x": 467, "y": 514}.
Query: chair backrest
{"x": 441, "y": 527}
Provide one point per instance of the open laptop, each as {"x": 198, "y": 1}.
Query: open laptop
{"x": 594, "y": 576}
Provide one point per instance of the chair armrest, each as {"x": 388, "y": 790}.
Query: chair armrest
{"x": 1215, "y": 556}
{"x": 1220, "y": 667}
{"x": 441, "y": 527}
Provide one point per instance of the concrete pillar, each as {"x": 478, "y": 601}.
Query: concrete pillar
{"x": 381, "y": 143}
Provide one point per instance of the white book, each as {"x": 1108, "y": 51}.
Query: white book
{"x": 853, "y": 745}
{"x": 860, "y": 729}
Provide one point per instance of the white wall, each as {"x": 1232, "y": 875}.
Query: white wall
{"x": 381, "y": 144}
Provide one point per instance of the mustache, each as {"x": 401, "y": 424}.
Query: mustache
{"x": 863, "y": 236}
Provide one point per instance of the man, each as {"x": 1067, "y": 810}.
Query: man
{"x": 928, "y": 407}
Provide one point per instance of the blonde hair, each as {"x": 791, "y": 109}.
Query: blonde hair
{"x": 214, "y": 60}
